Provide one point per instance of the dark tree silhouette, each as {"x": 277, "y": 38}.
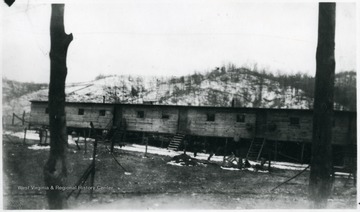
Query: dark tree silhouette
{"x": 55, "y": 171}
{"x": 321, "y": 160}
{"x": 9, "y": 2}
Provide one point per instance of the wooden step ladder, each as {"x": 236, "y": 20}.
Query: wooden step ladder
{"x": 255, "y": 149}
{"x": 176, "y": 141}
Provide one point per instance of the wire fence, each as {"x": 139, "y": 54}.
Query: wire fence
{"x": 16, "y": 119}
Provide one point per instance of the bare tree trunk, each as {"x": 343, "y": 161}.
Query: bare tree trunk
{"x": 55, "y": 171}
{"x": 321, "y": 161}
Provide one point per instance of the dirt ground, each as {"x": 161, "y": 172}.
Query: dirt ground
{"x": 150, "y": 183}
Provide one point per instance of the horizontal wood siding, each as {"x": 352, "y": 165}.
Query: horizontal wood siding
{"x": 152, "y": 121}
{"x": 91, "y": 114}
{"x": 284, "y": 130}
{"x": 340, "y": 133}
{"x": 196, "y": 123}
{"x": 303, "y": 132}
{"x": 225, "y": 124}
{"x": 38, "y": 115}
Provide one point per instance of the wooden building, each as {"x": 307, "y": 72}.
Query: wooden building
{"x": 219, "y": 123}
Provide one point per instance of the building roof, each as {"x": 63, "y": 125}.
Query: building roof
{"x": 190, "y": 106}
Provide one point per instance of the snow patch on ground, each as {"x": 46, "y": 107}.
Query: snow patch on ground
{"x": 174, "y": 163}
{"x": 33, "y": 135}
{"x": 203, "y": 156}
{"x": 254, "y": 170}
{"x": 287, "y": 166}
{"x": 342, "y": 174}
{"x": 150, "y": 150}
{"x": 229, "y": 168}
{"x": 37, "y": 147}
{"x": 30, "y": 134}
{"x": 248, "y": 169}
{"x": 71, "y": 141}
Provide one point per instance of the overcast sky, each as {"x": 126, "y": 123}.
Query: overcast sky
{"x": 171, "y": 37}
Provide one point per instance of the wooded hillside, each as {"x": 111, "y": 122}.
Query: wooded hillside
{"x": 223, "y": 86}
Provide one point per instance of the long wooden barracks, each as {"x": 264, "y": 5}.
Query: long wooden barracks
{"x": 254, "y": 126}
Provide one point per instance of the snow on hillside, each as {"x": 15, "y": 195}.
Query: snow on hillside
{"x": 247, "y": 91}
{"x": 137, "y": 89}
{"x": 114, "y": 88}
{"x": 243, "y": 89}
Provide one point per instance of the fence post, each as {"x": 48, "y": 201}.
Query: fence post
{"x": 185, "y": 145}
{"x": 225, "y": 150}
{"x": 276, "y": 150}
{"x": 302, "y": 152}
{"x": 12, "y": 123}
{"x": 146, "y": 143}
{"x": 113, "y": 142}
{"x": 46, "y": 135}
{"x": 85, "y": 141}
{"x": 78, "y": 138}
{"x": 23, "y": 118}
{"x": 92, "y": 179}
{"x": 24, "y": 135}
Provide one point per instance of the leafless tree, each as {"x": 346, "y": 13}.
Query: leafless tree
{"x": 321, "y": 160}
{"x": 55, "y": 171}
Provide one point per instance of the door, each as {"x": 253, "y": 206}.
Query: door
{"x": 183, "y": 121}
{"x": 117, "y": 116}
{"x": 260, "y": 125}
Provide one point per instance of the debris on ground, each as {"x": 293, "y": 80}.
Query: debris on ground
{"x": 184, "y": 160}
{"x": 232, "y": 162}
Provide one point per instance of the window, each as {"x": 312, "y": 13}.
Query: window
{"x": 165, "y": 116}
{"x": 47, "y": 110}
{"x": 294, "y": 121}
{"x": 81, "y": 111}
{"x": 240, "y": 118}
{"x": 210, "y": 117}
{"x": 102, "y": 112}
{"x": 140, "y": 114}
